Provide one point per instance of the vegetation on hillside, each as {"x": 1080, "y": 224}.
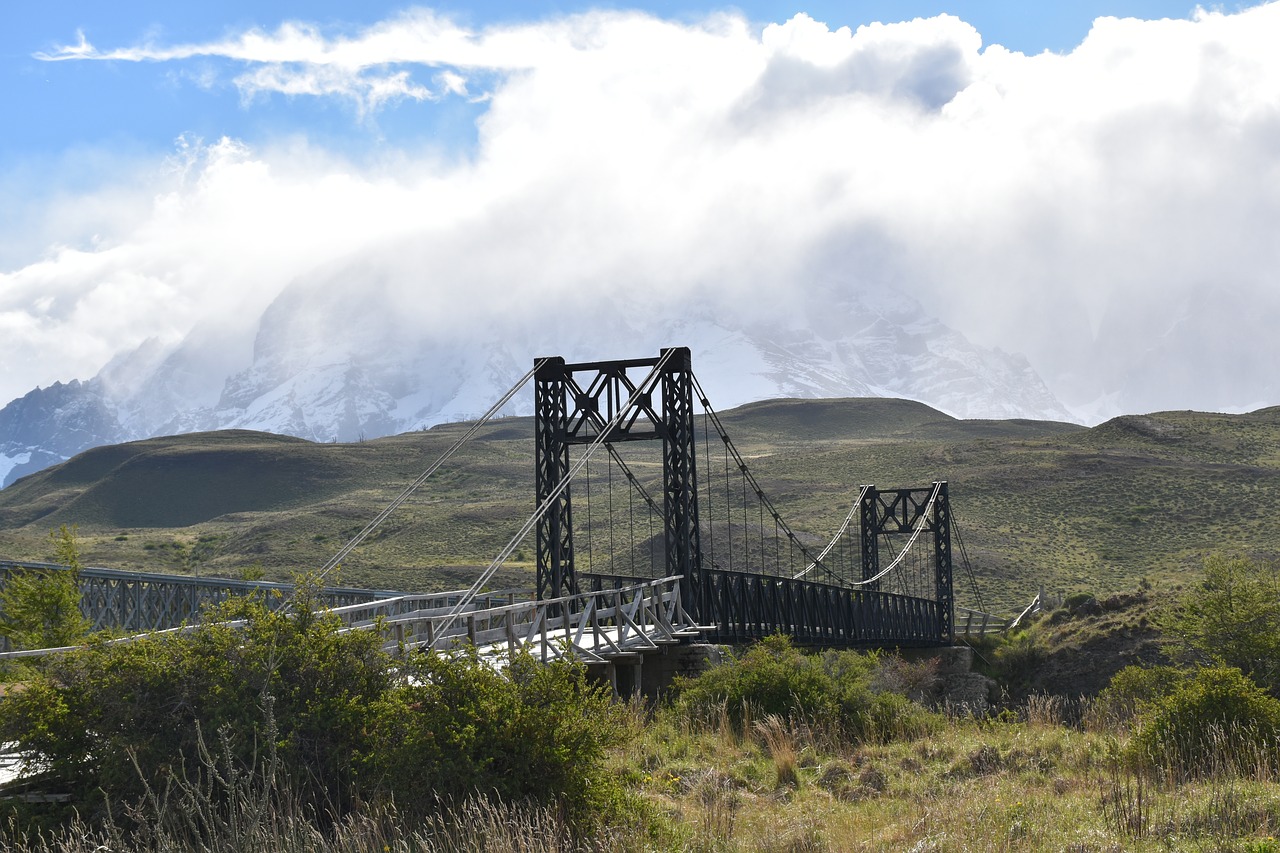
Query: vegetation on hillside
{"x": 1036, "y": 504}
{"x": 1142, "y": 713}
{"x": 330, "y": 717}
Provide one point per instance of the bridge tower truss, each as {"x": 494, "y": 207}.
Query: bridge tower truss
{"x": 900, "y": 511}
{"x": 573, "y": 404}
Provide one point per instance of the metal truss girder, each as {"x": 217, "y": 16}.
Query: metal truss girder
{"x": 586, "y": 419}
{"x": 741, "y": 607}
{"x": 141, "y": 601}
{"x": 897, "y": 510}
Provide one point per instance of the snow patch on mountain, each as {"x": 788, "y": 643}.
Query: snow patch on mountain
{"x": 9, "y": 463}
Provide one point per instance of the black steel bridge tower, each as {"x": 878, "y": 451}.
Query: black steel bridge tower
{"x": 575, "y": 404}
{"x": 901, "y": 511}
{"x": 869, "y": 605}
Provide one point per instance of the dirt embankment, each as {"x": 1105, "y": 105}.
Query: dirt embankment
{"x": 1078, "y": 647}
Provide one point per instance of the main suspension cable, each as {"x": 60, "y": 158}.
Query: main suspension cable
{"x": 839, "y": 537}
{"x": 915, "y": 534}
{"x": 373, "y": 525}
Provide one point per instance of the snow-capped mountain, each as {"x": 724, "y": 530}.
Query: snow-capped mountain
{"x": 48, "y": 425}
{"x": 334, "y": 364}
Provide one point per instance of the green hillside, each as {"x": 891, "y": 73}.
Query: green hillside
{"x": 1037, "y": 504}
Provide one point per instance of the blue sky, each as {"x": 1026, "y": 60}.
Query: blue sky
{"x": 136, "y": 108}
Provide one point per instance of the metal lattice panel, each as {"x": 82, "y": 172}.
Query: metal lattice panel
{"x": 140, "y": 601}
{"x": 739, "y": 607}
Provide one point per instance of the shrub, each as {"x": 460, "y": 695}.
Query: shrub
{"x": 1081, "y": 603}
{"x": 772, "y": 677}
{"x": 918, "y": 680}
{"x": 455, "y": 727}
{"x": 343, "y": 722}
{"x": 41, "y": 607}
{"x": 1134, "y": 688}
{"x": 1231, "y": 618}
{"x": 109, "y": 718}
{"x": 1217, "y": 722}
{"x": 832, "y": 690}
{"x": 1016, "y": 659}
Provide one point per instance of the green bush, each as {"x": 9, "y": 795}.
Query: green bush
{"x": 772, "y": 677}
{"x": 1231, "y": 618}
{"x": 1134, "y": 688}
{"x": 1078, "y": 601}
{"x": 533, "y": 732}
{"x": 1016, "y": 658}
{"x": 40, "y": 608}
{"x": 833, "y": 690}
{"x": 347, "y": 723}
{"x": 109, "y": 718}
{"x": 1217, "y": 722}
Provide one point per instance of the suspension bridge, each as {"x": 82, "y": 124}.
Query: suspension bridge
{"x": 630, "y": 561}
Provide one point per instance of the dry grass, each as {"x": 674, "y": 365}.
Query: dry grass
{"x": 1037, "y": 785}
{"x": 780, "y": 740}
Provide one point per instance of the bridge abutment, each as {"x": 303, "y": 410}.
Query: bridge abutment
{"x": 651, "y": 674}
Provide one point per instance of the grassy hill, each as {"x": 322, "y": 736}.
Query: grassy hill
{"x": 1036, "y": 503}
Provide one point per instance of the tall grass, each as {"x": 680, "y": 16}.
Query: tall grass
{"x": 974, "y": 785}
{"x": 476, "y": 826}
{"x": 780, "y": 740}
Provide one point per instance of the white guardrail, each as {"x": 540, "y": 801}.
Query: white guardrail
{"x": 593, "y": 626}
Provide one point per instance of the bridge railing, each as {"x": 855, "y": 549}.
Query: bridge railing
{"x": 401, "y": 605}
{"x": 594, "y": 626}
{"x": 975, "y": 623}
{"x": 363, "y": 614}
{"x": 145, "y": 601}
{"x": 739, "y": 607}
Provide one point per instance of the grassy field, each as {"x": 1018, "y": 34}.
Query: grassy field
{"x": 1037, "y": 504}
{"x": 1028, "y": 785}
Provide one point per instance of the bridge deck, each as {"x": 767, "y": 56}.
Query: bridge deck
{"x": 618, "y": 618}
{"x": 594, "y": 627}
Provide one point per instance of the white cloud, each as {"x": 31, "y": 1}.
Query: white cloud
{"x": 1067, "y": 206}
{"x": 300, "y": 59}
